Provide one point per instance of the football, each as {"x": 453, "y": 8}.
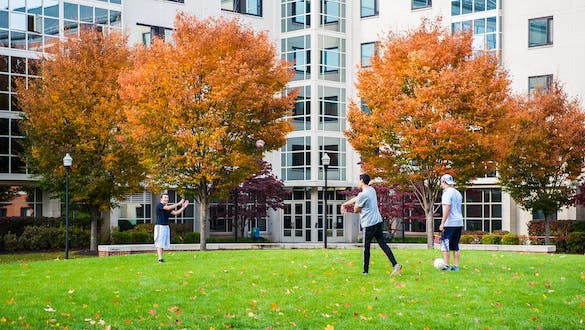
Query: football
{"x": 260, "y": 144}
{"x": 439, "y": 263}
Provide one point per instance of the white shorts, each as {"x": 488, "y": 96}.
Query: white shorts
{"x": 162, "y": 236}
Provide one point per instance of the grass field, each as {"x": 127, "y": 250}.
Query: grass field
{"x": 295, "y": 289}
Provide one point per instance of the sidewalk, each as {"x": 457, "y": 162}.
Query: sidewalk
{"x": 112, "y": 250}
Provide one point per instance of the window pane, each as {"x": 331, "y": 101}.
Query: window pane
{"x": 70, "y": 11}
{"x": 479, "y": 5}
{"x": 420, "y": 4}
{"x": 456, "y": 7}
{"x": 52, "y": 8}
{"x": 467, "y": 6}
{"x": 540, "y": 31}
{"x": 86, "y": 14}
{"x": 367, "y": 53}
{"x": 491, "y": 4}
{"x": 369, "y": 8}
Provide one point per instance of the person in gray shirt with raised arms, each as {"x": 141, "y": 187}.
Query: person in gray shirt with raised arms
{"x": 366, "y": 203}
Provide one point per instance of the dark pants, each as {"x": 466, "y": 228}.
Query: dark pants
{"x": 377, "y": 232}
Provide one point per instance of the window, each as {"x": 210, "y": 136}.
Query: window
{"x": 542, "y": 83}
{"x": 149, "y": 32}
{"x": 331, "y": 11}
{"x": 301, "y": 116}
{"x": 417, "y": 4}
{"x": 248, "y": 7}
{"x": 369, "y": 8}
{"x": 296, "y": 159}
{"x": 330, "y": 59}
{"x": 335, "y": 149}
{"x": 301, "y": 10}
{"x": 301, "y": 59}
{"x": 332, "y": 109}
{"x": 368, "y": 50}
{"x": 540, "y": 31}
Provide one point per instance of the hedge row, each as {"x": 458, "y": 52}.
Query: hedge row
{"x": 37, "y": 238}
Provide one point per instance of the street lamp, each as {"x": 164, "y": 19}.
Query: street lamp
{"x": 67, "y": 161}
{"x": 325, "y": 160}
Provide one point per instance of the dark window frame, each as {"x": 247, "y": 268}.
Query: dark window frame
{"x": 238, "y": 8}
{"x": 376, "y": 9}
{"x": 428, "y": 4}
{"x": 549, "y": 31}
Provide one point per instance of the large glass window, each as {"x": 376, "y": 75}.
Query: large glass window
{"x": 369, "y": 8}
{"x": 542, "y": 83}
{"x": 296, "y": 50}
{"x": 248, "y": 7}
{"x": 335, "y": 149}
{"x": 301, "y": 117}
{"x": 296, "y": 159}
{"x": 333, "y": 15}
{"x": 540, "y": 31}
{"x": 482, "y": 209}
{"x": 296, "y": 15}
{"x": 332, "y": 66}
{"x": 417, "y": 4}
{"x": 21, "y": 201}
{"x": 368, "y": 50}
{"x": 332, "y": 109}
{"x": 136, "y": 208}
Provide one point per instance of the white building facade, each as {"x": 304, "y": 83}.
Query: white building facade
{"x": 327, "y": 40}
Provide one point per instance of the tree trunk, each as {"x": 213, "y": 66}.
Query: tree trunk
{"x": 430, "y": 227}
{"x": 546, "y": 230}
{"x": 203, "y": 224}
{"x": 93, "y": 240}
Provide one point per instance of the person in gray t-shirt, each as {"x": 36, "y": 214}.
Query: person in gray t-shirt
{"x": 366, "y": 203}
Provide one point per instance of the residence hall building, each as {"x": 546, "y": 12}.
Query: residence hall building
{"x": 327, "y": 40}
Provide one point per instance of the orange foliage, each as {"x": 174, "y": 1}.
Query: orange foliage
{"x": 548, "y": 151}
{"x": 436, "y": 107}
{"x": 198, "y": 106}
{"x": 75, "y": 108}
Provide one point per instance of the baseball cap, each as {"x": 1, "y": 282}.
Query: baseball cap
{"x": 448, "y": 179}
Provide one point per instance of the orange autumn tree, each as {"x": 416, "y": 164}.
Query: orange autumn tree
{"x": 436, "y": 107}
{"x": 198, "y": 106}
{"x": 545, "y": 165}
{"x": 75, "y": 108}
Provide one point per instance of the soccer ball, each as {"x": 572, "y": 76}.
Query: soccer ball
{"x": 260, "y": 144}
{"x": 439, "y": 263}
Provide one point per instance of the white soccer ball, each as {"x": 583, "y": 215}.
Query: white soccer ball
{"x": 439, "y": 263}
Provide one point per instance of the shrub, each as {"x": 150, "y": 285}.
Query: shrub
{"x": 576, "y": 242}
{"x": 34, "y": 238}
{"x": 510, "y": 239}
{"x": 120, "y": 237}
{"x": 192, "y": 237}
{"x": 141, "y": 237}
{"x": 10, "y": 242}
{"x": 579, "y": 226}
{"x": 491, "y": 239}
{"x": 467, "y": 239}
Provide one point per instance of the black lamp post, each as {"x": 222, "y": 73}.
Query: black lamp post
{"x": 67, "y": 161}
{"x": 325, "y": 160}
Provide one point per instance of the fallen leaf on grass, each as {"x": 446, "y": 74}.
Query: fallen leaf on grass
{"x": 50, "y": 309}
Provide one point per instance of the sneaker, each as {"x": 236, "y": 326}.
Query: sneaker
{"x": 364, "y": 273}
{"x": 455, "y": 268}
{"x": 396, "y": 269}
{"x": 161, "y": 260}
{"x": 446, "y": 267}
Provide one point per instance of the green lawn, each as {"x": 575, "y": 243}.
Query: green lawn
{"x": 295, "y": 289}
